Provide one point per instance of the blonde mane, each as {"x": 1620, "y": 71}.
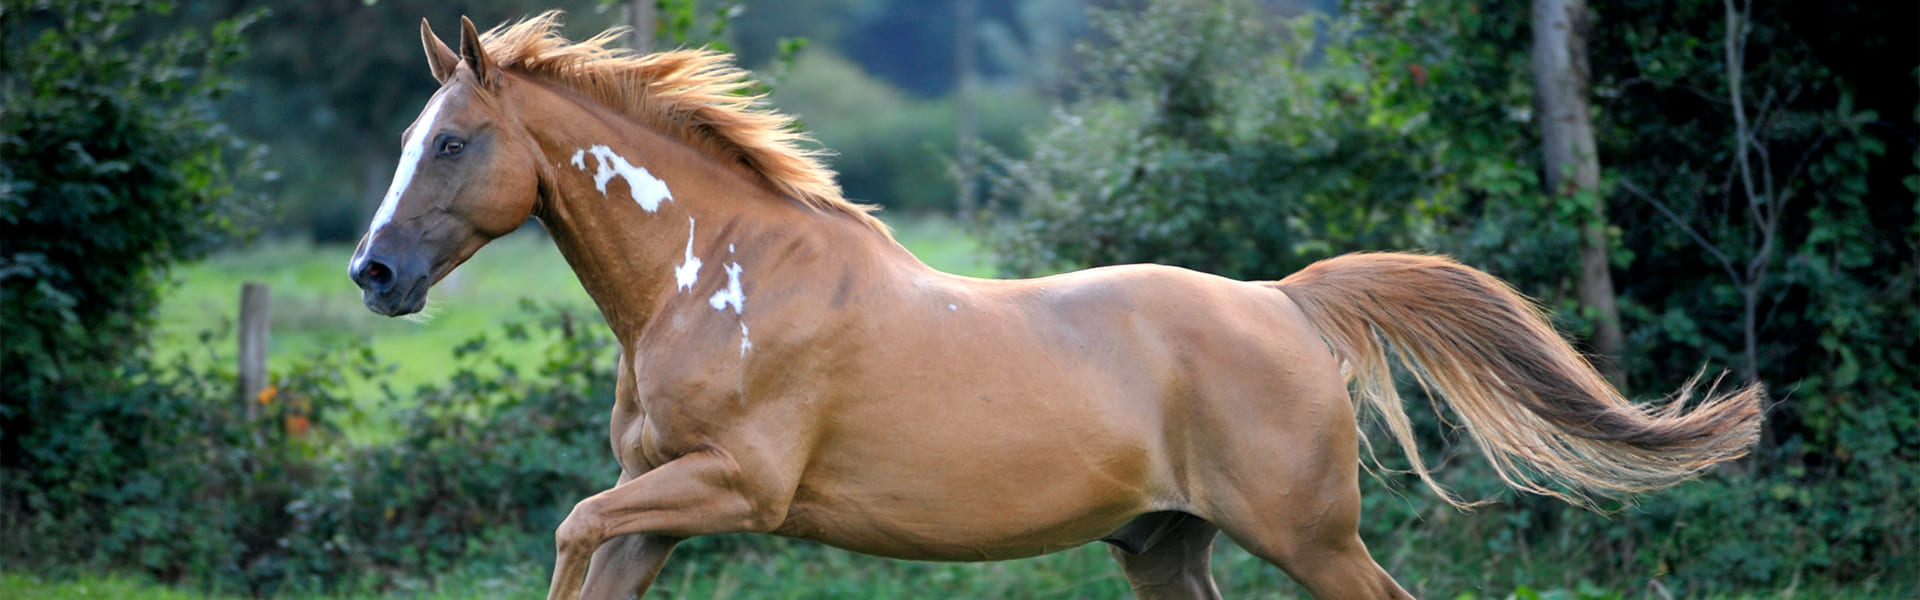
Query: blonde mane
{"x": 696, "y": 96}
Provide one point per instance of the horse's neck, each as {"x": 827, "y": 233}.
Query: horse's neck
{"x": 638, "y": 254}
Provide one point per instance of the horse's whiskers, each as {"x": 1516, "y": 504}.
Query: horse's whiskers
{"x": 427, "y": 313}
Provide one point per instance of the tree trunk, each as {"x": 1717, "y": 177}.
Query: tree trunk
{"x": 639, "y": 15}
{"x": 966, "y": 124}
{"x": 1572, "y": 166}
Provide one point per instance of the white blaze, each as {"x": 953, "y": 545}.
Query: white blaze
{"x": 412, "y": 153}
{"x": 688, "y": 272}
{"x": 647, "y": 190}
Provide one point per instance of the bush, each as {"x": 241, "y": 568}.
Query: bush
{"x": 507, "y": 446}
{"x": 111, "y": 169}
{"x": 164, "y": 473}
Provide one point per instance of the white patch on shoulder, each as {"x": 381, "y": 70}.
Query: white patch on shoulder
{"x": 732, "y": 294}
{"x": 647, "y": 190}
{"x": 688, "y": 272}
{"x": 412, "y": 153}
{"x": 953, "y": 307}
{"x": 746, "y": 343}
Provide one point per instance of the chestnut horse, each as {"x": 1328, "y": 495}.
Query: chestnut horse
{"x": 788, "y": 368}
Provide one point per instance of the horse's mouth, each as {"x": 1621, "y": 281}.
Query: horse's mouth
{"x": 400, "y": 301}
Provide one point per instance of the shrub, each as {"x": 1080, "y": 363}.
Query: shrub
{"x": 164, "y": 473}
{"x": 508, "y": 445}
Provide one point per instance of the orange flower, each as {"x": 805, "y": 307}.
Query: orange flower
{"x": 297, "y": 425}
{"x": 267, "y": 394}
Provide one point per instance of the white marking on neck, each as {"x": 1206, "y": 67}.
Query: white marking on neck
{"x": 953, "y": 307}
{"x": 412, "y": 153}
{"x": 731, "y": 295}
{"x": 688, "y": 272}
{"x": 647, "y": 190}
{"x": 746, "y": 343}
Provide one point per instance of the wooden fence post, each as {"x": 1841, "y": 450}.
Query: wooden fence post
{"x": 253, "y": 345}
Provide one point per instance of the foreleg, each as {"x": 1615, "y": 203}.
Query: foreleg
{"x": 624, "y": 567}
{"x": 696, "y": 494}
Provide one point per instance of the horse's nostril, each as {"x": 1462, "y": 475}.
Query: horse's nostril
{"x": 374, "y": 276}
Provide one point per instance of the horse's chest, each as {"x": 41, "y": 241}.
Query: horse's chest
{"x": 636, "y": 435}
{"x": 654, "y": 429}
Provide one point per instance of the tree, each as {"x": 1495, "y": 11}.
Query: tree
{"x": 1572, "y": 165}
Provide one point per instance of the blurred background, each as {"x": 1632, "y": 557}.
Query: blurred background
{"x": 1681, "y": 183}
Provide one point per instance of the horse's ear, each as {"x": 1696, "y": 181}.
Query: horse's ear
{"x": 440, "y": 58}
{"x": 475, "y": 55}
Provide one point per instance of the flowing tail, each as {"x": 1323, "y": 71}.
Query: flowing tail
{"x": 1527, "y": 398}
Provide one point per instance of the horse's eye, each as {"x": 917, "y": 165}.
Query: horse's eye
{"x": 452, "y": 146}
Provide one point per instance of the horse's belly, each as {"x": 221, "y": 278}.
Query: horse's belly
{"x": 1011, "y": 499}
{"x": 958, "y": 536}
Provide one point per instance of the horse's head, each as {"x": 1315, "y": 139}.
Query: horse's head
{"x": 468, "y": 174}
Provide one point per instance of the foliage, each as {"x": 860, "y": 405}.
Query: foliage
{"x": 187, "y": 484}
{"x": 1209, "y": 136}
{"x": 510, "y": 447}
{"x": 332, "y": 86}
{"x": 111, "y": 169}
{"x": 334, "y": 83}
{"x": 890, "y": 148}
{"x": 199, "y": 492}
{"x": 1818, "y": 247}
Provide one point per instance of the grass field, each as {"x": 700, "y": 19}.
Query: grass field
{"x": 791, "y": 569}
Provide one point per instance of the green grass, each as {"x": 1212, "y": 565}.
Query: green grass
{"x": 23, "y": 586}
{"x": 792, "y": 569}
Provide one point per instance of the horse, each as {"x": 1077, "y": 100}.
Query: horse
{"x": 786, "y": 367}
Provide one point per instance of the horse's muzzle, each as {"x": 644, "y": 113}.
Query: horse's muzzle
{"x": 387, "y": 286}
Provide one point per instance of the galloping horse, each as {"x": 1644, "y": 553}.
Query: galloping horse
{"x": 788, "y": 368}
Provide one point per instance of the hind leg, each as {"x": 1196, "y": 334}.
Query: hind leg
{"x": 1331, "y": 569}
{"x": 1314, "y": 535}
{"x": 1177, "y": 567}
{"x": 1309, "y": 525}
{"x": 1290, "y": 494}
